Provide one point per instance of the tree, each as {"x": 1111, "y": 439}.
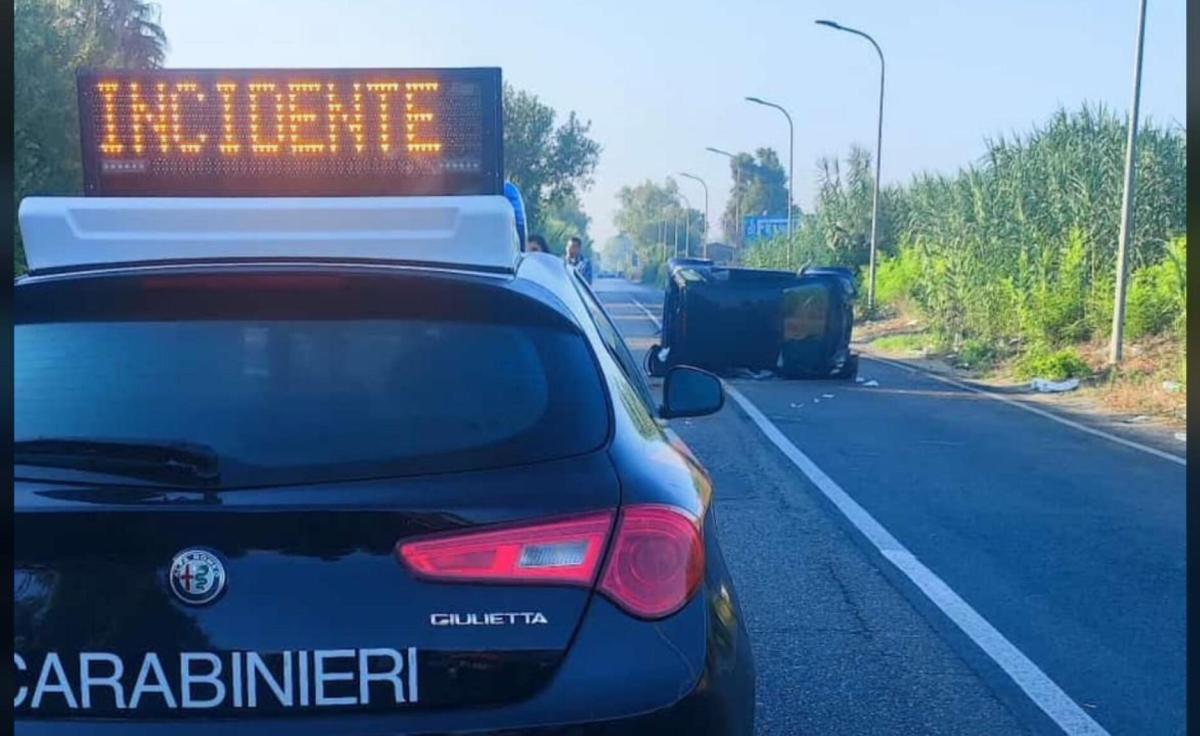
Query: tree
{"x": 564, "y": 218}
{"x": 760, "y": 188}
{"x": 53, "y": 38}
{"x": 550, "y": 164}
{"x": 649, "y": 213}
{"x": 617, "y": 253}
{"x": 843, "y": 210}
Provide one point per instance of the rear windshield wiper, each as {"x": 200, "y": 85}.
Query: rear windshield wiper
{"x": 183, "y": 462}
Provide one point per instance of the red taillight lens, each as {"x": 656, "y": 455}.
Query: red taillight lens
{"x": 656, "y": 563}
{"x": 562, "y": 551}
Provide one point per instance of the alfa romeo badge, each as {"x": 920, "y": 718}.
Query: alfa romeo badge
{"x": 197, "y": 576}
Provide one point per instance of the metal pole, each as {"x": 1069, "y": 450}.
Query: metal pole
{"x": 704, "y": 241}
{"x": 1118, "y": 328}
{"x": 687, "y": 226}
{"x": 791, "y": 159}
{"x": 675, "y": 251}
{"x": 878, "y": 158}
{"x": 737, "y": 202}
{"x": 875, "y": 196}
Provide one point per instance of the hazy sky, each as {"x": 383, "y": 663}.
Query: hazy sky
{"x": 662, "y": 80}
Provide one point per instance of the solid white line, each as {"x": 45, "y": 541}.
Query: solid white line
{"x": 1040, "y": 412}
{"x": 1036, "y": 684}
{"x": 649, "y": 314}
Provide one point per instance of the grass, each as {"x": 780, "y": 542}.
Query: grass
{"x": 905, "y": 344}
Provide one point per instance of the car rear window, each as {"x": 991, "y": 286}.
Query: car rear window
{"x": 305, "y": 379}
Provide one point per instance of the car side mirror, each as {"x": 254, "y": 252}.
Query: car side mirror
{"x": 691, "y": 392}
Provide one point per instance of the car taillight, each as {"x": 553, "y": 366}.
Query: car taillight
{"x": 656, "y": 562}
{"x": 561, "y": 551}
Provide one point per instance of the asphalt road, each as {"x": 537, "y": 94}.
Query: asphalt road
{"x": 1070, "y": 545}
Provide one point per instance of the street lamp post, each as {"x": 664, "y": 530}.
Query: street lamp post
{"x": 687, "y": 226}
{"x": 1118, "y": 327}
{"x": 675, "y": 226}
{"x": 878, "y": 151}
{"x": 791, "y": 151}
{"x": 704, "y": 242}
{"x": 737, "y": 186}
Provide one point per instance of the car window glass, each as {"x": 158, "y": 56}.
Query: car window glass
{"x": 616, "y": 344}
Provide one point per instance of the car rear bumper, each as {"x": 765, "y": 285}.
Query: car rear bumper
{"x": 692, "y": 673}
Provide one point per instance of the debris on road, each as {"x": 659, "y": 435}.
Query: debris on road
{"x": 754, "y": 375}
{"x": 1139, "y": 419}
{"x": 1181, "y": 436}
{"x": 826, "y": 396}
{"x": 872, "y": 383}
{"x": 859, "y": 379}
{"x": 1047, "y": 386}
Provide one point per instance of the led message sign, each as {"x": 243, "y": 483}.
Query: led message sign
{"x": 331, "y": 132}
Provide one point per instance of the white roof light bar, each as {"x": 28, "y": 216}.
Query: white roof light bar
{"x": 64, "y": 233}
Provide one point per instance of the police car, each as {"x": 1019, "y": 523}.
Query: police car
{"x": 305, "y": 444}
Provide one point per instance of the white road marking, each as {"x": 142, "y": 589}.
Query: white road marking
{"x": 1038, "y": 686}
{"x": 649, "y": 314}
{"x": 1040, "y": 412}
{"x": 1028, "y": 676}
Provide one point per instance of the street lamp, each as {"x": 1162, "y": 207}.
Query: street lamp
{"x": 791, "y": 150}
{"x": 878, "y": 148}
{"x": 1118, "y": 328}
{"x": 704, "y": 242}
{"x": 687, "y": 226}
{"x": 737, "y": 185}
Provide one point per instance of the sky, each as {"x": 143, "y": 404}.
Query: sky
{"x": 660, "y": 81}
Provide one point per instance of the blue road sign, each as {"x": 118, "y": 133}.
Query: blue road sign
{"x": 763, "y": 228}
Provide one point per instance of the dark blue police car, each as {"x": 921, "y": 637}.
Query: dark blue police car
{"x": 318, "y": 463}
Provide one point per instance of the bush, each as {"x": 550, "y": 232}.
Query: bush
{"x": 896, "y": 278}
{"x": 1157, "y": 299}
{"x": 977, "y": 353}
{"x": 1057, "y": 306}
{"x": 655, "y": 274}
{"x": 1058, "y": 365}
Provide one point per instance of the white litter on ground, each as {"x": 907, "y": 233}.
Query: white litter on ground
{"x": 826, "y": 396}
{"x": 872, "y": 383}
{"x": 754, "y": 375}
{"x": 1139, "y": 419}
{"x": 859, "y": 379}
{"x": 816, "y": 401}
{"x": 1054, "y": 387}
{"x": 1181, "y": 436}
{"x": 1172, "y": 387}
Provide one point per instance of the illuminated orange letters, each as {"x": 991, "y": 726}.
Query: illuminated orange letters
{"x": 298, "y": 117}
{"x": 177, "y": 135}
{"x": 255, "y": 91}
{"x": 229, "y": 143}
{"x": 383, "y": 89}
{"x": 112, "y": 144}
{"x": 141, "y": 115}
{"x": 413, "y": 117}
{"x": 338, "y": 117}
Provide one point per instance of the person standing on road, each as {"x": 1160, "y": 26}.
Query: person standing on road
{"x": 577, "y": 260}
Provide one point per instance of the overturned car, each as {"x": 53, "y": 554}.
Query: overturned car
{"x": 797, "y": 325}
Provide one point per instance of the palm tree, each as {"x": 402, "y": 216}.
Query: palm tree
{"x": 140, "y": 42}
